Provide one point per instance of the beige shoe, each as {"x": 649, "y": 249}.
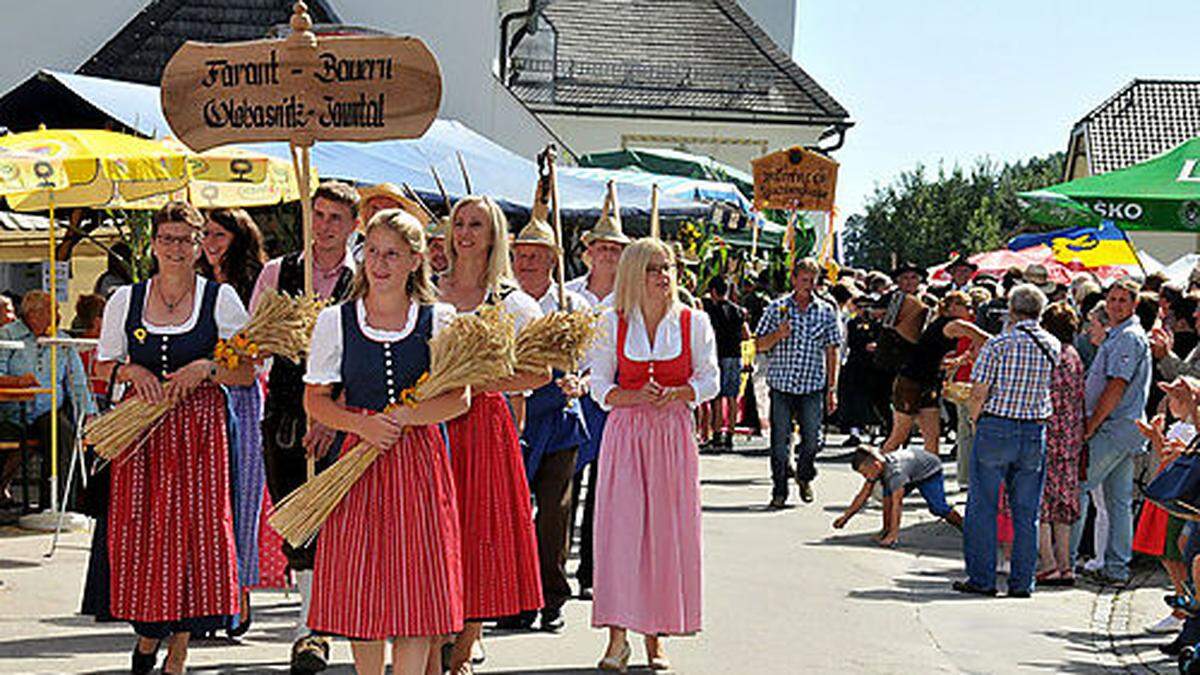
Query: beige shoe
{"x": 618, "y": 663}
{"x": 659, "y": 663}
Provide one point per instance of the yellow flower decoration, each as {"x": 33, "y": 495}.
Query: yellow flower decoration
{"x": 139, "y": 334}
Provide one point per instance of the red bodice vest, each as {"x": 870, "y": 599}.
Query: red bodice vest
{"x": 673, "y": 373}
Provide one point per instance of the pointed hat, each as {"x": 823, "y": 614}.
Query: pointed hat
{"x": 538, "y": 231}
{"x": 608, "y": 228}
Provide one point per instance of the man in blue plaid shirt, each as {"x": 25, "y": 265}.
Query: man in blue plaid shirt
{"x": 800, "y": 336}
{"x": 1010, "y": 403}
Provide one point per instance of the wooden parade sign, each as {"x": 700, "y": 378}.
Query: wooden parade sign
{"x": 301, "y": 89}
{"x": 795, "y": 179}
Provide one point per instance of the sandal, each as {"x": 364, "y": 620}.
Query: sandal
{"x": 1055, "y": 577}
{"x": 1186, "y": 604}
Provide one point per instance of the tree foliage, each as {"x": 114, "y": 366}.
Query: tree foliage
{"x": 923, "y": 216}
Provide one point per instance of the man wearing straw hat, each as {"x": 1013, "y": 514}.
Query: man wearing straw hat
{"x": 604, "y": 243}
{"x": 435, "y": 235}
{"x": 287, "y": 438}
{"x": 554, "y": 427}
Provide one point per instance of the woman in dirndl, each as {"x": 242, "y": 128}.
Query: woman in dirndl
{"x": 387, "y": 563}
{"x": 655, "y": 360}
{"x": 500, "y": 563}
{"x": 171, "y": 545}
{"x": 232, "y": 250}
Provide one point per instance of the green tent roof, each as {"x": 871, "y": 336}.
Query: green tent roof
{"x": 671, "y": 163}
{"x": 1159, "y": 194}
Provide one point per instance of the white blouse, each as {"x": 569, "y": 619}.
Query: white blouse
{"x": 325, "y": 350}
{"x": 230, "y": 317}
{"x": 668, "y": 344}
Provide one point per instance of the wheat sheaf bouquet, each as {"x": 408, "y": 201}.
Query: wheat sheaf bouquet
{"x": 472, "y": 350}
{"x": 281, "y": 326}
{"x": 558, "y": 340}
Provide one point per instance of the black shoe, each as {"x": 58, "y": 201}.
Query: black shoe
{"x": 1016, "y": 593}
{"x": 852, "y": 441}
{"x": 585, "y": 593}
{"x": 806, "y": 493}
{"x": 777, "y": 503}
{"x": 968, "y": 587}
{"x": 522, "y": 621}
{"x": 243, "y": 625}
{"x": 310, "y": 654}
{"x": 552, "y": 620}
{"x": 143, "y": 664}
{"x": 1172, "y": 648}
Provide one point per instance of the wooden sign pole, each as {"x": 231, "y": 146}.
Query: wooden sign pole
{"x": 753, "y": 237}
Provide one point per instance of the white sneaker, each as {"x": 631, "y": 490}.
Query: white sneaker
{"x": 1169, "y": 624}
{"x": 1093, "y": 565}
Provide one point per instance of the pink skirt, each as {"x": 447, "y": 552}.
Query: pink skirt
{"x": 647, "y": 539}
{"x": 387, "y": 560}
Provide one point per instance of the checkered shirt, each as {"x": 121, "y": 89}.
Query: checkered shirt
{"x": 1018, "y": 372}
{"x": 796, "y": 364}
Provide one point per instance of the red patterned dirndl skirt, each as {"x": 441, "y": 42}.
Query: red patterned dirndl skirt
{"x": 170, "y": 522}
{"x": 387, "y": 560}
{"x": 500, "y": 563}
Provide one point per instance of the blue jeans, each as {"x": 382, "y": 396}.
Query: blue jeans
{"x": 786, "y": 409}
{"x": 933, "y": 491}
{"x": 1012, "y": 452}
{"x": 1110, "y": 464}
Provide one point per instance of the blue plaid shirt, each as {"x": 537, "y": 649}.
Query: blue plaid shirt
{"x": 1018, "y": 371}
{"x": 35, "y": 360}
{"x": 796, "y": 364}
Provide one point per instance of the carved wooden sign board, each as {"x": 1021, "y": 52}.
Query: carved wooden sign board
{"x": 301, "y": 89}
{"x": 796, "y": 179}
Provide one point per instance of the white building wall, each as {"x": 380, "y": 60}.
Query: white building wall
{"x": 57, "y": 34}
{"x": 465, "y": 37}
{"x": 733, "y": 144}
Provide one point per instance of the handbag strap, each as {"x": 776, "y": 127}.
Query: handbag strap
{"x": 1041, "y": 347}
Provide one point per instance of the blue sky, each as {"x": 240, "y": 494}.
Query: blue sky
{"x": 955, "y": 80}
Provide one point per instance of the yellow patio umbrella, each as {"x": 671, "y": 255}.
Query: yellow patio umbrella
{"x": 227, "y": 177}
{"x": 84, "y": 168}
{"x": 24, "y": 171}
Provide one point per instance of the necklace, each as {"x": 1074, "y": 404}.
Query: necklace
{"x": 171, "y": 305}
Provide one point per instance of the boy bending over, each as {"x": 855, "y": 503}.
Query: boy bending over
{"x": 900, "y": 471}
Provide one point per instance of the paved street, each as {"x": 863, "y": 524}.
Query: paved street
{"x": 784, "y": 594}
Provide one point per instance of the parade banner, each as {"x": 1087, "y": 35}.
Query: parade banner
{"x": 796, "y": 179}
{"x": 301, "y": 89}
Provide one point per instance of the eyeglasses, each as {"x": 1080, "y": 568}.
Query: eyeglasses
{"x": 665, "y": 268}
{"x": 168, "y": 240}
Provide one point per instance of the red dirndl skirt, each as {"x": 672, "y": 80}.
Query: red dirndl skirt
{"x": 387, "y": 560}
{"x": 170, "y": 522}
{"x": 499, "y": 551}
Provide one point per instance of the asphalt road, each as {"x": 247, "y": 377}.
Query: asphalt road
{"x": 784, "y": 593}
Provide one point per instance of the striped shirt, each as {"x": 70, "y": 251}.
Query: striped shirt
{"x": 1017, "y": 366}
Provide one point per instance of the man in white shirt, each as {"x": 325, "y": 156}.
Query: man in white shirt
{"x": 605, "y": 243}
{"x": 554, "y": 430}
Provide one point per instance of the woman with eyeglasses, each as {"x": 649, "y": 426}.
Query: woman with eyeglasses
{"x": 232, "y": 253}
{"x": 170, "y": 525}
{"x": 654, "y": 362}
{"x": 387, "y": 564}
{"x": 499, "y": 553}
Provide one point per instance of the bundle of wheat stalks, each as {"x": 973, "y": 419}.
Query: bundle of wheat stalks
{"x": 957, "y": 392}
{"x": 281, "y": 326}
{"x": 472, "y": 350}
{"x": 558, "y": 340}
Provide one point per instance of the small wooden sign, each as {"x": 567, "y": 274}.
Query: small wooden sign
{"x": 795, "y": 179}
{"x": 301, "y": 89}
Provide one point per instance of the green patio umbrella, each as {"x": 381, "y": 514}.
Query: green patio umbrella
{"x": 1057, "y": 210}
{"x": 1160, "y": 194}
{"x": 672, "y": 163}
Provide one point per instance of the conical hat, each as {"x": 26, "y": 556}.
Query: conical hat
{"x": 395, "y": 194}
{"x": 608, "y": 228}
{"x": 538, "y": 231}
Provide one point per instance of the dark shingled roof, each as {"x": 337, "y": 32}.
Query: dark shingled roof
{"x": 140, "y": 50}
{"x": 670, "y": 56}
{"x": 1143, "y": 120}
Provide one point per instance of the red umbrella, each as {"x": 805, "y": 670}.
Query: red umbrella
{"x": 996, "y": 263}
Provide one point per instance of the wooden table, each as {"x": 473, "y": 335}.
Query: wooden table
{"x": 23, "y": 396}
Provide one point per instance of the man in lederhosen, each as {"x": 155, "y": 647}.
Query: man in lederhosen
{"x": 287, "y": 438}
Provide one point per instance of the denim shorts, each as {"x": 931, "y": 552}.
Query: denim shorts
{"x": 731, "y": 376}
